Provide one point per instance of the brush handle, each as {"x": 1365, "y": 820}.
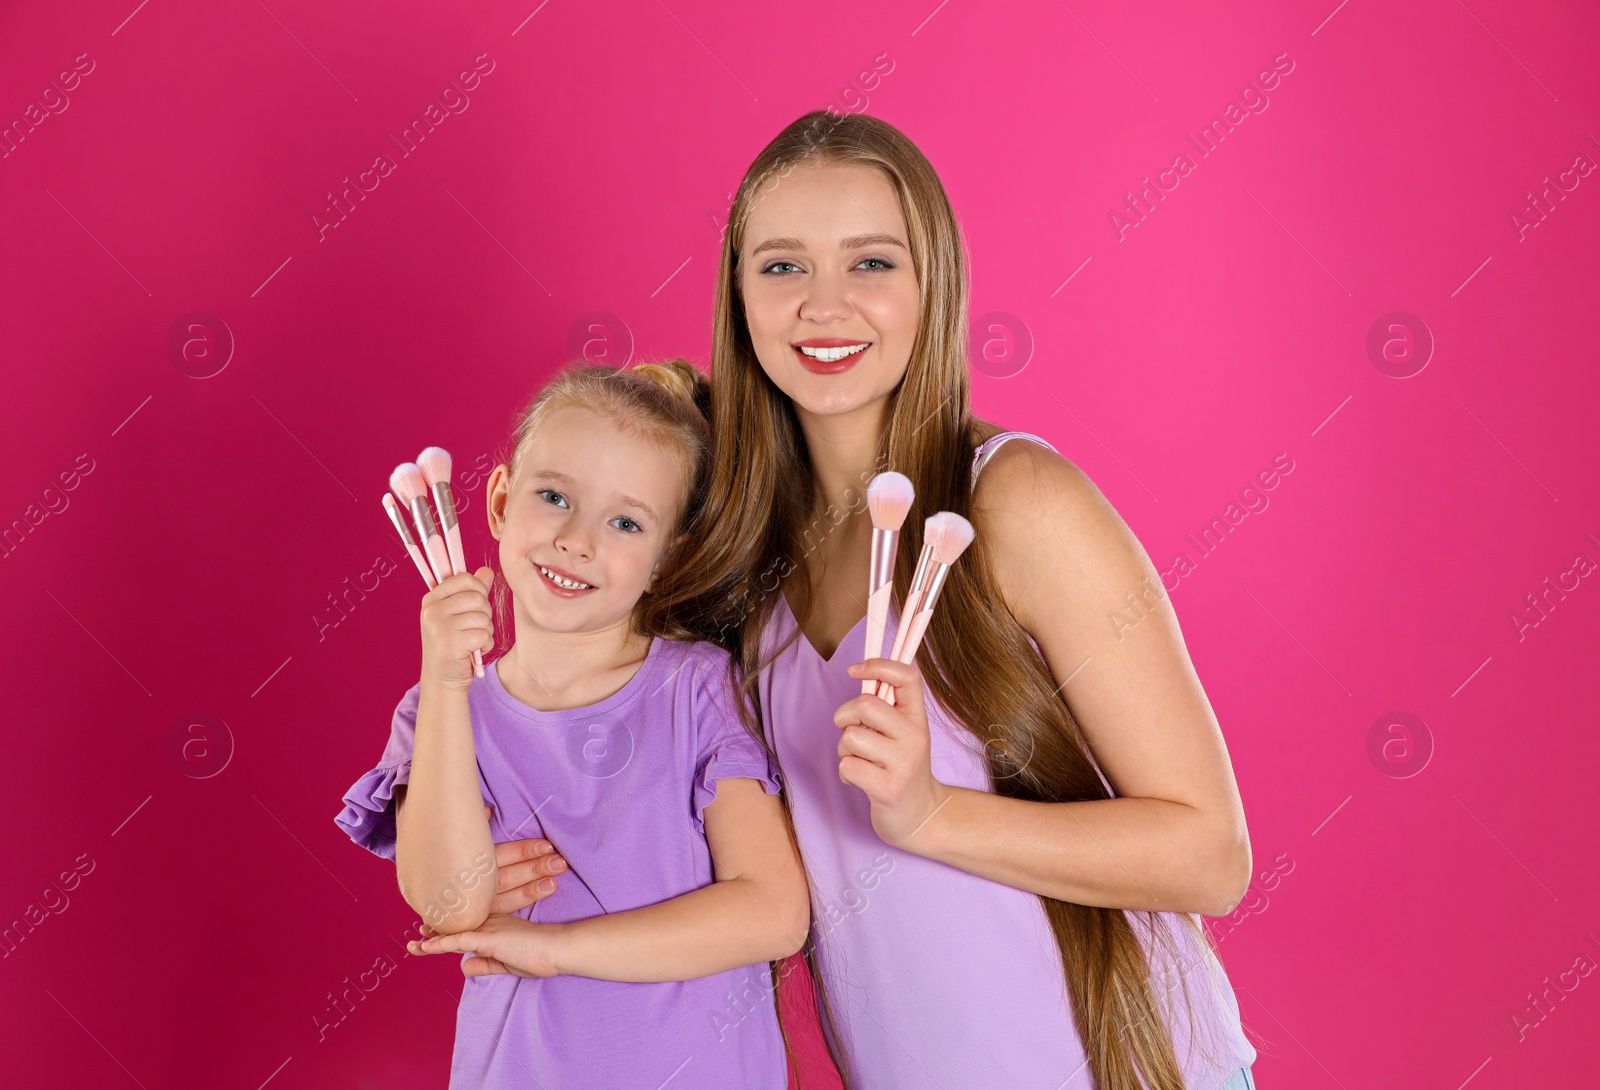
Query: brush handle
{"x": 422, "y": 565}
{"x": 877, "y": 618}
{"x": 458, "y": 556}
{"x": 902, "y": 631}
{"x": 458, "y": 560}
{"x": 448, "y": 555}
{"x": 438, "y": 557}
{"x": 919, "y": 625}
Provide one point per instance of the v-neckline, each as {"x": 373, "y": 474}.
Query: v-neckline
{"x": 843, "y": 640}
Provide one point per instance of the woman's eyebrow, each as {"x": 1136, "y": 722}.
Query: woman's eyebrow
{"x": 854, "y": 242}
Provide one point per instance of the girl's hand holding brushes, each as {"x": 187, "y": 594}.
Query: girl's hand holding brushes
{"x": 440, "y": 553}
{"x": 456, "y": 622}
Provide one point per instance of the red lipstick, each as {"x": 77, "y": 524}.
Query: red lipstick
{"x": 829, "y": 367}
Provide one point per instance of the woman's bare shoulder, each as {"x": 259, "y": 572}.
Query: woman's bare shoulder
{"x": 1029, "y": 499}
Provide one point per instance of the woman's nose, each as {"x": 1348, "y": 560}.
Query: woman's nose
{"x": 826, "y": 301}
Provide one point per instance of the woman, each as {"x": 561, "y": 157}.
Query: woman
{"x": 985, "y": 891}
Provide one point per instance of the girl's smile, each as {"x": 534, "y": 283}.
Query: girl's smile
{"x": 569, "y": 587}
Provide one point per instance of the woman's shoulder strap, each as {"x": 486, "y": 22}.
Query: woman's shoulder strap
{"x": 980, "y": 457}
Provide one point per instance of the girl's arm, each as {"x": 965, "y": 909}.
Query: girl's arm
{"x": 757, "y": 909}
{"x": 442, "y": 834}
{"x": 1077, "y": 579}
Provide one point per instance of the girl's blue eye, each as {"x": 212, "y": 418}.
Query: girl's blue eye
{"x": 769, "y": 268}
{"x": 636, "y": 527}
{"x": 879, "y": 260}
{"x": 552, "y": 492}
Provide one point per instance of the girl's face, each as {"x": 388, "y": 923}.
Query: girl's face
{"x": 590, "y": 504}
{"x": 824, "y": 265}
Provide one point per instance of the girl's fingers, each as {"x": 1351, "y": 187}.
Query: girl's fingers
{"x": 462, "y": 942}
{"x": 482, "y": 966}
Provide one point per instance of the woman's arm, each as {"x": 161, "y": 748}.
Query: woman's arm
{"x": 757, "y": 909}
{"x": 441, "y": 832}
{"x": 1078, "y": 580}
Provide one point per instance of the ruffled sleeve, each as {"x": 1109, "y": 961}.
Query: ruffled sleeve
{"x": 725, "y": 748}
{"x": 368, "y": 814}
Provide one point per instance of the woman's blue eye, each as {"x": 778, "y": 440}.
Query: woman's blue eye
{"x": 883, "y": 263}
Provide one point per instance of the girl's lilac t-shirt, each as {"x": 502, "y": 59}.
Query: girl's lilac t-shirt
{"x": 620, "y": 788}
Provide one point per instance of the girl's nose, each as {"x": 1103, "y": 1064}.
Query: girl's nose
{"x": 576, "y": 540}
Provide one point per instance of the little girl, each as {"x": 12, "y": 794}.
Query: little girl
{"x": 621, "y": 747}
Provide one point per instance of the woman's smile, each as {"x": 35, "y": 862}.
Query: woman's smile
{"x": 829, "y": 355}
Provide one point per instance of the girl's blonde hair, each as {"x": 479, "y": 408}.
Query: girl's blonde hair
{"x": 759, "y": 519}
{"x": 667, "y": 404}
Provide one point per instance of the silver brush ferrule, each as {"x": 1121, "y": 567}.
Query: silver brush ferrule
{"x": 446, "y": 503}
{"x": 423, "y": 517}
{"x": 924, "y": 570}
{"x": 399, "y": 520}
{"x": 884, "y": 543}
{"x": 935, "y": 585}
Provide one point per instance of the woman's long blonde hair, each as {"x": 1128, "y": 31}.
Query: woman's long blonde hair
{"x": 757, "y": 508}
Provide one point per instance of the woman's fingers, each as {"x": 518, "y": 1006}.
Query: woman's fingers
{"x": 527, "y": 870}
{"x": 866, "y": 743}
{"x": 904, "y": 677}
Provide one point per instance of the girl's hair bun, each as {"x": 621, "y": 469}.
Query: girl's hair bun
{"x": 682, "y": 379}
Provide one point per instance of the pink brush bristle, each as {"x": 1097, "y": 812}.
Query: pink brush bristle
{"x": 407, "y": 483}
{"x": 889, "y": 498}
{"x": 948, "y": 535}
{"x": 435, "y": 465}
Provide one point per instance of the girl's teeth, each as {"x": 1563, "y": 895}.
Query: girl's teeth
{"x": 560, "y": 582}
{"x": 829, "y": 355}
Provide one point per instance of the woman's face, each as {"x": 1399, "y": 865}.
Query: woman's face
{"x": 824, "y": 266}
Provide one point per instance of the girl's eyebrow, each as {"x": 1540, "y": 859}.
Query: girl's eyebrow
{"x": 570, "y": 482}
{"x": 854, "y": 242}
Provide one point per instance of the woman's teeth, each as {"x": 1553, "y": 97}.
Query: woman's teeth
{"x": 829, "y": 355}
{"x": 567, "y": 583}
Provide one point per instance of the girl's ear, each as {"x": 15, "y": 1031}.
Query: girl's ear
{"x": 496, "y": 492}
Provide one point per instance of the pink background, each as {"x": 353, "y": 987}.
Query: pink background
{"x": 1417, "y": 765}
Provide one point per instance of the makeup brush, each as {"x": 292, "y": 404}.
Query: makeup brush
{"x": 435, "y": 465}
{"x": 399, "y": 521}
{"x": 411, "y": 487}
{"x": 946, "y": 536}
{"x": 919, "y": 580}
{"x": 889, "y": 498}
